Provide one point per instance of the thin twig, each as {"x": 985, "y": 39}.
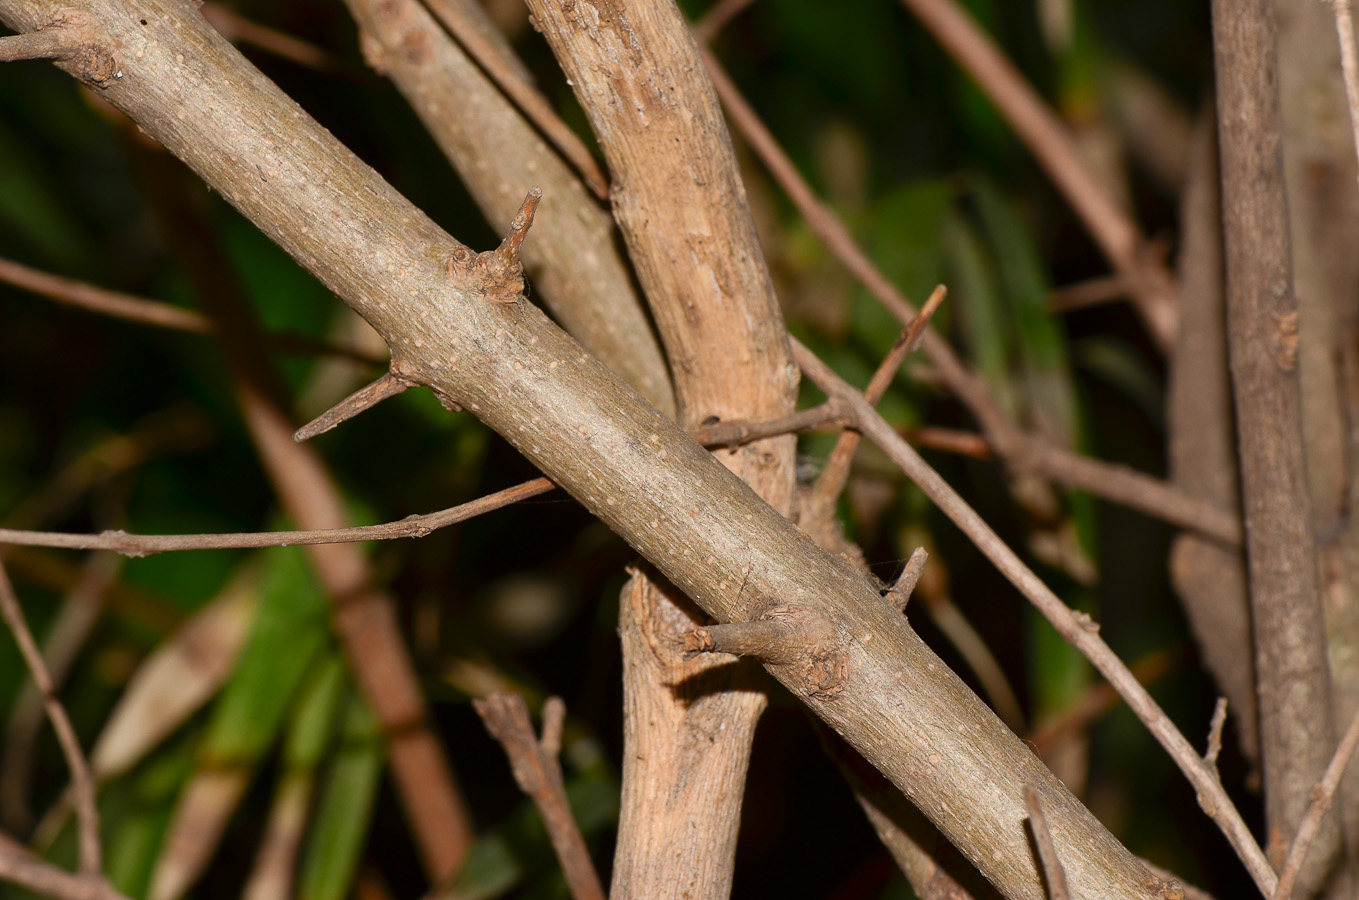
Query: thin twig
{"x": 1093, "y": 292}
{"x": 1210, "y": 755}
{"x": 731, "y": 434}
{"x": 46, "y": 43}
{"x": 1078, "y": 629}
{"x": 835, "y": 473}
{"x": 1095, "y": 701}
{"x": 49, "y": 881}
{"x": 151, "y": 312}
{"x": 365, "y": 398}
{"x": 1047, "y": 850}
{"x": 235, "y": 27}
{"x": 1349, "y": 64}
{"x": 1322, "y": 795}
{"x": 707, "y": 28}
{"x": 522, "y": 94}
{"x": 1051, "y": 143}
{"x": 147, "y": 544}
{"x": 539, "y": 774}
{"x": 900, "y": 594}
{"x": 82, "y": 783}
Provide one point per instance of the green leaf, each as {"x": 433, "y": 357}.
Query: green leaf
{"x": 343, "y": 813}
{"x": 291, "y": 626}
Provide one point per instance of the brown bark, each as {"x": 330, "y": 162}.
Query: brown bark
{"x": 579, "y": 273}
{"x": 1296, "y": 729}
{"x": 1210, "y": 577}
{"x": 680, "y": 204}
{"x": 1320, "y": 171}
{"x": 454, "y": 321}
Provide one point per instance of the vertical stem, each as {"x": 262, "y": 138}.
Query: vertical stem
{"x": 1262, "y": 331}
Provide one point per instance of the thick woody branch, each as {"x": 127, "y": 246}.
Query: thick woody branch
{"x": 510, "y": 366}
{"x": 1297, "y": 730}
{"x": 579, "y": 273}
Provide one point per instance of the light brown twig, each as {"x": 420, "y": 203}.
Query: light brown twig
{"x": 151, "y": 312}
{"x": 148, "y": 544}
{"x": 833, "y": 476}
{"x": 49, "y": 881}
{"x": 1047, "y": 851}
{"x": 1122, "y": 243}
{"x": 82, "y": 783}
{"x": 900, "y": 594}
{"x": 522, "y": 94}
{"x": 538, "y": 774}
{"x": 363, "y": 399}
{"x": 1215, "y": 733}
{"x": 1322, "y": 795}
{"x": 1077, "y": 629}
{"x": 236, "y": 27}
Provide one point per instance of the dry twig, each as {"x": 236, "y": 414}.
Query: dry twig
{"x": 529, "y": 101}
{"x": 1078, "y": 630}
{"x": 538, "y": 773}
{"x": 1322, "y": 795}
{"x": 148, "y": 544}
{"x": 1148, "y": 282}
{"x": 1047, "y": 851}
{"x": 1349, "y": 64}
{"x": 82, "y": 783}
{"x": 151, "y": 312}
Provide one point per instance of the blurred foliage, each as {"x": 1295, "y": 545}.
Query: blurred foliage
{"x": 933, "y": 183}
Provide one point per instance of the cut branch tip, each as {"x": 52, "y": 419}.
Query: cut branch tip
{"x": 523, "y": 221}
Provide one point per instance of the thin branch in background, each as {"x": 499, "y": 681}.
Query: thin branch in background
{"x": 835, "y": 474}
{"x": 75, "y": 620}
{"x": 1013, "y": 446}
{"x": 1047, "y": 137}
{"x": 538, "y": 773}
{"x": 238, "y": 29}
{"x": 900, "y": 594}
{"x": 1322, "y": 795}
{"x": 523, "y": 95}
{"x": 1077, "y": 629}
{"x": 716, "y": 19}
{"x": 1097, "y": 700}
{"x": 1047, "y": 850}
{"x": 152, "y": 312}
{"x": 1094, "y": 292}
{"x": 148, "y": 544}
{"x": 365, "y": 398}
{"x": 1210, "y": 755}
{"x": 26, "y": 871}
{"x": 82, "y": 783}
{"x": 1349, "y": 64}
{"x": 950, "y": 440}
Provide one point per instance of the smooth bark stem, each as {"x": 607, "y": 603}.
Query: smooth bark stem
{"x": 506, "y": 363}
{"x": 1296, "y": 727}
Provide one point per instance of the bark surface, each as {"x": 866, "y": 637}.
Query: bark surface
{"x": 455, "y": 320}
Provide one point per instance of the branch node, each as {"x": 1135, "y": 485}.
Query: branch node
{"x": 365, "y": 398}
{"x": 74, "y": 37}
{"x": 783, "y": 636}
{"x": 498, "y": 275}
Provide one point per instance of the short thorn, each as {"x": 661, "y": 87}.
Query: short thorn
{"x": 900, "y": 594}
{"x": 364, "y": 398}
{"x": 523, "y": 220}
